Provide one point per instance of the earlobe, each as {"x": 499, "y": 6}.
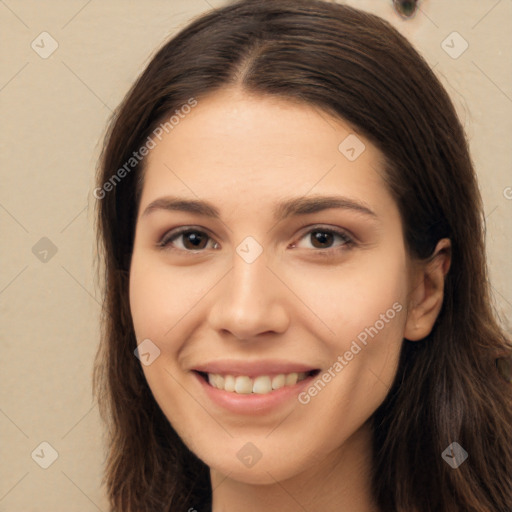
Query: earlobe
{"x": 427, "y": 292}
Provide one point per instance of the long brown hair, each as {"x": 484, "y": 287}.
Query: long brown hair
{"x": 358, "y": 67}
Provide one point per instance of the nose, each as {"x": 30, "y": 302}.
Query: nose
{"x": 249, "y": 301}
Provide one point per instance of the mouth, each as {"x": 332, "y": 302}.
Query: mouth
{"x": 258, "y": 385}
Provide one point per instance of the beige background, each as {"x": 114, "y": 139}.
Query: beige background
{"x": 53, "y": 114}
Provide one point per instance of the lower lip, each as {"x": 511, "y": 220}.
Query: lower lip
{"x": 253, "y": 404}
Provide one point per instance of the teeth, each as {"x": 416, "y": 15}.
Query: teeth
{"x": 291, "y": 379}
{"x": 278, "y": 381}
{"x": 229, "y": 383}
{"x": 261, "y": 385}
{"x": 243, "y": 385}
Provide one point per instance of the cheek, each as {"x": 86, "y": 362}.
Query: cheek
{"x": 159, "y": 300}
{"x": 148, "y": 302}
{"x": 359, "y": 318}
{"x": 162, "y": 296}
{"x": 343, "y": 301}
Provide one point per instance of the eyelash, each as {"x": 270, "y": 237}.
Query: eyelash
{"x": 348, "y": 241}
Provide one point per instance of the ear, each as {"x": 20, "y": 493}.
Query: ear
{"x": 427, "y": 292}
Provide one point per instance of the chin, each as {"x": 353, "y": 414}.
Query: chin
{"x": 260, "y": 474}
{"x": 276, "y": 466}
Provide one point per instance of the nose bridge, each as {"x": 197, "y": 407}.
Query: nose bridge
{"x": 248, "y": 300}
{"x": 249, "y": 276}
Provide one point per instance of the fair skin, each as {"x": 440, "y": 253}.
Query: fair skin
{"x": 302, "y": 301}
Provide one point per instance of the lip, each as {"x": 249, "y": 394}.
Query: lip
{"x": 252, "y": 369}
{"x": 252, "y": 404}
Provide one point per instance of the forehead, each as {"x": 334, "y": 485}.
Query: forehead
{"x": 236, "y": 146}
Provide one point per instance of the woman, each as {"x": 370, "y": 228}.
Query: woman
{"x": 297, "y": 306}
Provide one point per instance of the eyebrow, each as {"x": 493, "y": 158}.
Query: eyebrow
{"x": 288, "y": 208}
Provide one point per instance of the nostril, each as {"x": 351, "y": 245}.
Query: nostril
{"x": 405, "y": 8}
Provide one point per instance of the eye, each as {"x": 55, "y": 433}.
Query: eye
{"x": 191, "y": 240}
{"x": 322, "y": 238}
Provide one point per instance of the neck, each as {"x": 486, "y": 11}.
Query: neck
{"x": 339, "y": 482}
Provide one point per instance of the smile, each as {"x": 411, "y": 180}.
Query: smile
{"x": 253, "y": 388}
{"x": 262, "y": 384}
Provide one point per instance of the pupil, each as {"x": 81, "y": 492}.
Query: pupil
{"x": 322, "y": 237}
{"x": 195, "y": 239}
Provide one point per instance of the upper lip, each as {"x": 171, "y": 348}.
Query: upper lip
{"x": 252, "y": 368}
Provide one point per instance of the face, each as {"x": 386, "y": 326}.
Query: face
{"x": 273, "y": 317}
